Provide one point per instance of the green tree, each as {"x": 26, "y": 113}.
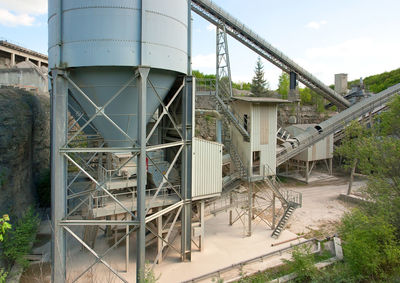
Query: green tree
{"x": 284, "y": 84}
{"x": 259, "y": 86}
{"x": 372, "y": 234}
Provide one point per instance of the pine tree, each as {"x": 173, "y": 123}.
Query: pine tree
{"x": 259, "y": 86}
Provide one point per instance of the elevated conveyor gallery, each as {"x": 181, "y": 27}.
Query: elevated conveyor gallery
{"x": 334, "y": 124}
{"x": 216, "y": 15}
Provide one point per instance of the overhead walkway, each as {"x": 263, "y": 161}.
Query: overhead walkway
{"x": 216, "y": 15}
{"x": 314, "y": 134}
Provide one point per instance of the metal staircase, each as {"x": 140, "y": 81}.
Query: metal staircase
{"x": 283, "y": 221}
{"x": 290, "y": 201}
{"x": 237, "y": 161}
{"x": 232, "y": 117}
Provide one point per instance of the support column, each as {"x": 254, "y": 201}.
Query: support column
{"x": 59, "y": 106}
{"x": 12, "y": 59}
{"x": 219, "y": 130}
{"x": 186, "y": 169}
{"x": 331, "y": 166}
{"x": 128, "y": 217}
{"x": 159, "y": 240}
{"x": 250, "y": 197}
{"x": 141, "y": 175}
{"x": 307, "y": 171}
{"x": 273, "y": 211}
{"x": 201, "y": 242}
{"x": 292, "y": 86}
{"x": 230, "y": 210}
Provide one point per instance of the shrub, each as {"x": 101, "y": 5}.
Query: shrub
{"x": 302, "y": 264}
{"x": 370, "y": 246}
{"x": 17, "y": 242}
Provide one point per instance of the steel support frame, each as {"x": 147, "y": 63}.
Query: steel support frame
{"x": 262, "y": 48}
{"x": 223, "y": 89}
{"x": 61, "y": 154}
{"x": 188, "y": 113}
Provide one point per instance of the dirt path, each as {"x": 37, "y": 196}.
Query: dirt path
{"x": 321, "y": 208}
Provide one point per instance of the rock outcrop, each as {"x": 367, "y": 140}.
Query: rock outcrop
{"x": 24, "y": 147}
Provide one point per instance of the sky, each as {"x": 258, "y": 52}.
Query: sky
{"x": 357, "y": 37}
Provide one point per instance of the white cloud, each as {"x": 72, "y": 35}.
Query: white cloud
{"x": 359, "y": 47}
{"x": 316, "y": 25}
{"x": 30, "y": 7}
{"x": 12, "y": 20}
{"x": 359, "y": 57}
{"x": 211, "y": 27}
{"x": 203, "y": 61}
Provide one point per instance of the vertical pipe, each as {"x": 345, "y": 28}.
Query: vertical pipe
{"x": 141, "y": 175}
{"x": 59, "y": 106}
{"x": 186, "y": 169}
{"x": 219, "y": 130}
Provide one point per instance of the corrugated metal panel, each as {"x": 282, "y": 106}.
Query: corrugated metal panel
{"x": 255, "y": 129}
{"x": 207, "y": 168}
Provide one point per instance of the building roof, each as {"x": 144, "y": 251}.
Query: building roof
{"x": 22, "y": 49}
{"x": 260, "y": 99}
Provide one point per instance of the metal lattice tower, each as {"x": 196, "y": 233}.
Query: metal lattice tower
{"x": 223, "y": 69}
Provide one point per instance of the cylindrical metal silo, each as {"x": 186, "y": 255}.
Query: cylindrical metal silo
{"x": 100, "y": 41}
{"x": 99, "y": 54}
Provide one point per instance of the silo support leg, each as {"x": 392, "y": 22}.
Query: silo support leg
{"x": 186, "y": 168}
{"x": 59, "y": 105}
{"x": 141, "y": 175}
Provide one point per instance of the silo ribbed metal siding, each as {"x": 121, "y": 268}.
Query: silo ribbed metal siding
{"x": 110, "y": 33}
{"x": 207, "y": 169}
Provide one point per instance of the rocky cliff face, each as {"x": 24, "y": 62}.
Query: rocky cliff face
{"x": 24, "y": 147}
{"x": 308, "y": 114}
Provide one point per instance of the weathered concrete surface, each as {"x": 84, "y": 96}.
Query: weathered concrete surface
{"x": 24, "y": 146}
{"x": 25, "y": 74}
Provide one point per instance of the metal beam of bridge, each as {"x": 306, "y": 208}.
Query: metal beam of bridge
{"x": 336, "y": 123}
{"x": 236, "y": 29}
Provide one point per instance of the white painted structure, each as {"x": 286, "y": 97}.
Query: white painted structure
{"x": 341, "y": 83}
{"x": 207, "y": 169}
{"x": 259, "y": 115}
{"x": 318, "y": 151}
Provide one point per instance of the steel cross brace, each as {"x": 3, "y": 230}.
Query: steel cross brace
{"x": 165, "y": 110}
{"x": 100, "y": 110}
{"x": 165, "y": 177}
{"x": 100, "y": 186}
{"x": 98, "y": 257}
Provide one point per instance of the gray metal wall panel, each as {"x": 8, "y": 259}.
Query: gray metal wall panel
{"x": 207, "y": 168}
